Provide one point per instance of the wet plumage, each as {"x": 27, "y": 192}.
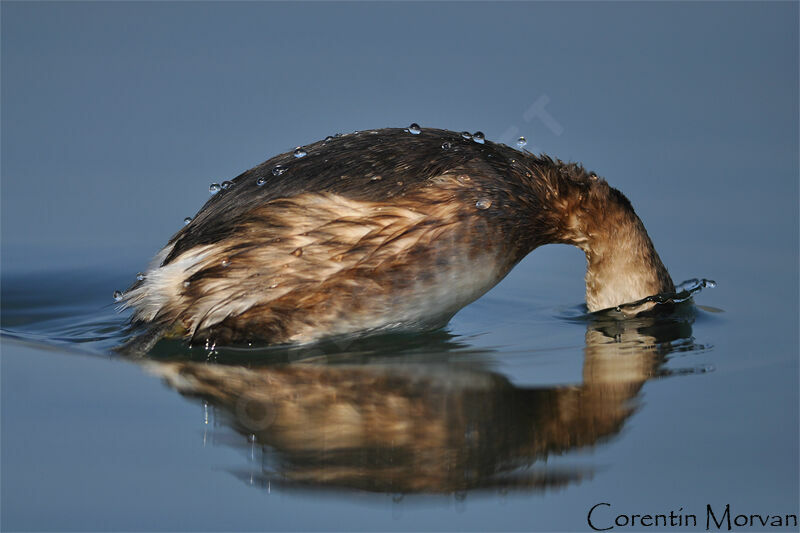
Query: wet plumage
{"x": 383, "y": 230}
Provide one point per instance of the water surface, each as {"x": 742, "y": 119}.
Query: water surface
{"x": 520, "y": 415}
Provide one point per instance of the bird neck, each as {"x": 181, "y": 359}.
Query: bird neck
{"x": 622, "y": 263}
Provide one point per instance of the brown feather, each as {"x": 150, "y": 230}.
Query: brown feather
{"x": 319, "y": 255}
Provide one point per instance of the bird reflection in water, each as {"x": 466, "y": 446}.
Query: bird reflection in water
{"x": 429, "y": 417}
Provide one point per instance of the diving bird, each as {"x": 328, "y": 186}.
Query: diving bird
{"x": 383, "y": 230}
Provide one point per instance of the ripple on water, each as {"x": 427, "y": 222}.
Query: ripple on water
{"x": 44, "y": 309}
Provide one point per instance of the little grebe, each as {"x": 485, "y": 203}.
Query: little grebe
{"x": 384, "y": 229}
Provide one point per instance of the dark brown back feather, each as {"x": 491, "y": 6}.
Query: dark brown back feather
{"x": 378, "y": 165}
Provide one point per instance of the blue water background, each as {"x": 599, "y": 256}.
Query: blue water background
{"x": 117, "y": 116}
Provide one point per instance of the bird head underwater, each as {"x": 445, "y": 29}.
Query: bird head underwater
{"x": 384, "y": 230}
